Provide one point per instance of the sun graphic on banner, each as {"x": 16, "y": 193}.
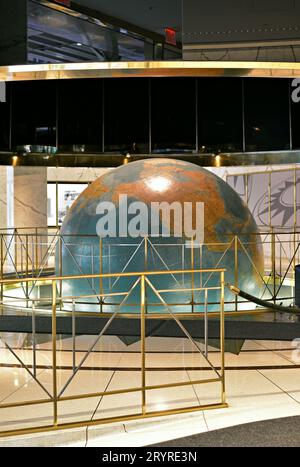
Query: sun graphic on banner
{"x": 281, "y": 203}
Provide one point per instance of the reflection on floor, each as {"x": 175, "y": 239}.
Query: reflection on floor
{"x": 263, "y": 382}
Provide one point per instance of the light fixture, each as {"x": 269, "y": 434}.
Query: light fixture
{"x": 218, "y": 161}
{"x": 126, "y": 158}
{"x": 15, "y": 160}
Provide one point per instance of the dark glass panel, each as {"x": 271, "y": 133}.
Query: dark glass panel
{"x": 4, "y": 121}
{"x": 295, "y": 115}
{"x": 220, "y": 111}
{"x": 173, "y": 115}
{"x": 127, "y": 115}
{"x": 34, "y": 113}
{"x": 80, "y": 115}
{"x": 266, "y": 114}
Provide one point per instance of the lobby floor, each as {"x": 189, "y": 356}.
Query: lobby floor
{"x": 263, "y": 382}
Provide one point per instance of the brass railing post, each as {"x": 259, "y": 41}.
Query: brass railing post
{"x": 146, "y": 266}
{"x": 34, "y": 337}
{"x": 206, "y": 322}
{"x": 27, "y": 268}
{"x": 36, "y": 252}
{"x": 222, "y": 337}
{"x": 143, "y": 341}
{"x": 193, "y": 274}
{"x": 16, "y": 249}
{"x": 236, "y": 268}
{"x": 273, "y": 263}
{"x": 1, "y": 266}
{"x": 54, "y": 366}
{"x": 101, "y": 272}
{"x": 295, "y": 220}
{"x": 74, "y": 335}
{"x": 60, "y": 266}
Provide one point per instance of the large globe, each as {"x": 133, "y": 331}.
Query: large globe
{"x": 156, "y": 181}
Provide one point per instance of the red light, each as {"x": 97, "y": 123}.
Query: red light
{"x": 170, "y": 36}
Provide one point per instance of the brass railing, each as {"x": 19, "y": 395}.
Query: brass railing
{"x": 32, "y": 252}
{"x": 144, "y": 281}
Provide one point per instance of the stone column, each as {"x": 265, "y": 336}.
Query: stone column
{"x": 30, "y": 215}
{"x": 30, "y": 196}
{"x": 3, "y": 198}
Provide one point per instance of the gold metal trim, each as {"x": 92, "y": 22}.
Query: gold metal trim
{"x": 150, "y": 69}
{"x": 105, "y": 421}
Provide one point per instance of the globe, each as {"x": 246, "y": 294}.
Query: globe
{"x": 98, "y": 237}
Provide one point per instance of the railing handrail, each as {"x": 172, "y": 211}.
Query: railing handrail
{"x": 109, "y": 275}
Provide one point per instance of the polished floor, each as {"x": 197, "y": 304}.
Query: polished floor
{"x": 263, "y": 382}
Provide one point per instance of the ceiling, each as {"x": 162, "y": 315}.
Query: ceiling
{"x": 154, "y": 15}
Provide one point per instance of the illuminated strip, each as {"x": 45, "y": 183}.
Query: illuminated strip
{"x": 151, "y": 68}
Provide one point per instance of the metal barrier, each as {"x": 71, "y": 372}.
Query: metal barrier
{"x": 144, "y": 281}
{"x": 31, "y": 253}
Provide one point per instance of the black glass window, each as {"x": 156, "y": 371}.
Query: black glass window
{"x": 173, "y": 114}
{"x": 220, "y": 114}
{"x": 266, "y": 114}
{"x": 4, "y": 121}
{"x": 34, "y": 113}
{"x": 295, "y": 114}
{"x": 80, "y": 115}
{"x": 127, "y": 115}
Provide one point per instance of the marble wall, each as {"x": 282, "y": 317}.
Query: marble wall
{"x": 3, "y": 197}
{"x": 30, "y": 197}
{"x": 74, "y": 174}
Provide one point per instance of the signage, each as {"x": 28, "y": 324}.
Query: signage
{"x": 170, "y": 36}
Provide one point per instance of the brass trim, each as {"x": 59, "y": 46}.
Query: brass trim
{"x": 150, "y": 69}
{"x": 105, "y": 421}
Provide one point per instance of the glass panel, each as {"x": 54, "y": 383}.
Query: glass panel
{"x": 220, "y": 114}
{"x": 55, "y": 37}
{"x": 51, "y": 204}
{"x": 80, "y": 115}
{"x": 173, "y": 115}
{"x": 127, "y": 115}
{"x": 129, "y": 48}
{"x": 266, "y": 114}
{"x": 67, "y": 194}
{"x": 4, "y": 121}
{"x": 170, "y": 54}
{"x": 34, "y": 113}
{"x": 295, "y": 115}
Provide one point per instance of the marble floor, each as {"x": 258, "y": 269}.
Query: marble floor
{"x": 262, "y": 382}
